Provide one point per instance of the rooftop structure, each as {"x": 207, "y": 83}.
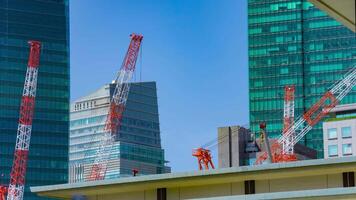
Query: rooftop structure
{"x": 343, "y": 11}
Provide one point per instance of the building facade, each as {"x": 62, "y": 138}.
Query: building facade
{"x": 236, "y": 147}
{"x": 46, "y": 21}
{"x": 139, "y": 144}
{"x": 340, "y": 132}
{"x": 294, "y": 43}
{"x": 321, "y": 179}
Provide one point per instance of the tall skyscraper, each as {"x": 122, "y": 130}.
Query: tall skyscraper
{"x": 46, "y": 21}
{"x": 292, "y": 42}
{"x": 139, "y": 144}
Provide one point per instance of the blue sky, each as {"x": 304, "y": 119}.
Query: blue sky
{"x": 196, "y": 51}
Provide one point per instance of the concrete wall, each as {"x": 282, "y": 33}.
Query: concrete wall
{"x": 234, "y": 188}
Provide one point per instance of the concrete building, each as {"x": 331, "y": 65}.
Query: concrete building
{"x": 294, "y": 42}
{"x": 48, "y": 22}
{"x": 340, "y": 132}
{"x": 236, "y": 147}
{"x": 139, "y": 143}
{"x": 311, "y": 179}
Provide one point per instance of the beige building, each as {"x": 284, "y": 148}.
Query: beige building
{"x": 320, "y": 179}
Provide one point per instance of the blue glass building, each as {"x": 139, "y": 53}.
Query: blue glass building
{"x": 139, "y": 143}
{"x": 46, "y": 21}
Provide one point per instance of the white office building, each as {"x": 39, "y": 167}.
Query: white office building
{"x": 340, "y": 132}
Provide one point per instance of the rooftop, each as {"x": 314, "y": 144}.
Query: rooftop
{"x": 184, "y": 179}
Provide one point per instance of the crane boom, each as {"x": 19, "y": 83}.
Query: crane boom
{"x": 18, "y": 171}
{"x": 306, "y": 122}
{"x": 321, "y": 108}
{"x": 116, "y": 109}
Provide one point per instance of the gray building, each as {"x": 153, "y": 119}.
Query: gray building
{"x": 138, "y": 145}
{"x": 340, "y": 132}
{"x": 236, "y": 147}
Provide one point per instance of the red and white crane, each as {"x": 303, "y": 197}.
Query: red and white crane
{"x": 18, "y": 171}
{"x": 306, "y": 122}
{"x": 116, "y": 109}
{"x": 288, "y": 119}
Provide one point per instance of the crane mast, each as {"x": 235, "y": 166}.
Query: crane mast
{"x": 288, "y": 118}
{"x": 306, "y": 122}
{"x": 116, "y": 109}
{"x": 18, "y": 171}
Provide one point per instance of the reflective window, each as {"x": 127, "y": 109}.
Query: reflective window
{"x": 332, "y": 150}
{"x": 332, "y": 133}
{"x": 346, "y": 132}
{"x": 347, "y": 149}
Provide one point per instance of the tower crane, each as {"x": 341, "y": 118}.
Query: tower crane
{"x": 116, "y": 109}
{"x": 288, "y": 119}
{"x": 305, "y": 123}
{"x": 19, "y": 166}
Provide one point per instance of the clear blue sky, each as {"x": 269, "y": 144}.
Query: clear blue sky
{"x": 196, "y": 51}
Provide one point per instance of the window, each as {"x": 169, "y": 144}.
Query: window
{"x": 347, "y": 149}
{"x": 332, "y": 133}
{"x": 332, "y": 150}
{"x": 348, "y": 179}
{"x": 162, "y": 194}
{"x": 250, "y": 187}
{"x": 346, "y": 132}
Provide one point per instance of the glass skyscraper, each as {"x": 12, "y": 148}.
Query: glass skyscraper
{"x": 45, "y": 21}
{"x": 139, "y": 144}
{"x": 292, "y": 42}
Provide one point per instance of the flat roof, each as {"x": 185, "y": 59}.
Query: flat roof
{"x": 330, "y": 193}
{"x": 344, "y": 107}
{"x": 194, "y": 178}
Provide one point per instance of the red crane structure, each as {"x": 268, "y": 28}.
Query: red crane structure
{"x": 203, "y": 153}
{"x": 18, "y": 171}
{"x": 204, "y": 158}
{"x": 306, "y": 122}
{"x": 288, "y": 119}
{"x": 3, "y": 192}
{"x": 116, "y": 109}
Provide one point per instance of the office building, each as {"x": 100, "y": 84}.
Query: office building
{"x": 340, "y": 132}
{"x": 294, "y": 43}
{"x": 310, "y": 179}
{"x": 45, "y": 21}
{"x": 138, "y": 145}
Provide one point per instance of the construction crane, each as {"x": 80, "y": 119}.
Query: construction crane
{"x": 18, "y": 171}
{"x": 204, "y": 158}
{"x": 288, "y": 119}
{"x": 116, "y": 109}
{"x": 203, "y": 153}
{"x": 3, "y": 192}
{"x": 306, "y": 122}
